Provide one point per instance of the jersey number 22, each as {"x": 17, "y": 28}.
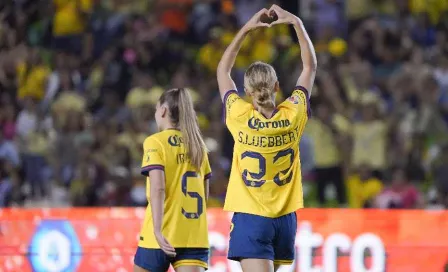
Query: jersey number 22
{"x": 262, "y": 166}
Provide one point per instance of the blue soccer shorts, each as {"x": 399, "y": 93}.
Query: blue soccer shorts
{"x": 258, "y": 237}
{"x": 155, "y": 260}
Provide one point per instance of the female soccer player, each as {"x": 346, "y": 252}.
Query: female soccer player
{"x": 265, "y": 187}
{"x": 176, "y": 164}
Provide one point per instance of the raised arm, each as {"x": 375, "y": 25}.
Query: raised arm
{"x": 308, "y": 54}
{"x": 225, "y": 82}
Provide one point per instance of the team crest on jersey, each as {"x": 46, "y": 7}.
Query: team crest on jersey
{"x": 294, "y": 99}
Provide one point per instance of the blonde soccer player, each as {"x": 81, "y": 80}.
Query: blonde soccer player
{"x": 265, "y": 187}
{"x": 175, "y": 161}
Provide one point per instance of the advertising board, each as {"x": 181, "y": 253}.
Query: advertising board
{"x": 328, "y": 240}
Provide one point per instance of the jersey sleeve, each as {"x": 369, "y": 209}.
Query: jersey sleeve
{"x": 234, "y": 106}
{"x": 153, "y": 158}
{"x": 207, "y": 170}
{"x": 299, "y": 101}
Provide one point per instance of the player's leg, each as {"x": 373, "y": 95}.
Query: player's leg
{"x": 191, "y": 260}
{"x": 150, "y": 260}
{"x": 190, "y": 269}
{"x": 139, "y": 269}
{"x": 250, "y": 242}
{"x": 284, "y": 243}
{"x": 276, "y": 267}
{"x": 260, "y": 265}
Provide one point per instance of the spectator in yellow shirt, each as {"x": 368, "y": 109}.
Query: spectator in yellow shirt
{"x": 68, "y": 101}
{"x": 363, "y": 188}
{"x": 370, "y": 138}
{"x": 434, "y": 8}
{"x": 132, "y": 138}
{"x": 278, "y": 33}
{"x": 262, "y": 47}
{"x": 328, "y": 132}
{"x": 32, "y": 77}
{"x": 69, "y": 22}
{"x": 210, "y": 53}
{"x": 34, "y": 162}
{"x": 230, "y": 26}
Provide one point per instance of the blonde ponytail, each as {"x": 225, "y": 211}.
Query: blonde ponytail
{"x": 263, "y": 97}
{"x": 260, "y": 79}
{"x": 189, "y": 127}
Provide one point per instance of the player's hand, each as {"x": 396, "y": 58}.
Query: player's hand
{"x": 282, "y": 16}
{"x": 257, "y": 20}
{"x": 165, "y": 246}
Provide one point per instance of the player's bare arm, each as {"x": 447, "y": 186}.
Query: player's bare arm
{"x": 308, "y": 53}
{"x": 157, "y": 199}
{"x": 227, "y": 61}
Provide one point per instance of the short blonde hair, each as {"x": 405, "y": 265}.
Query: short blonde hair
{"x": 259, "y": 80}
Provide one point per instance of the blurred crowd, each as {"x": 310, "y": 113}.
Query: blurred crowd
{"x": 79, "y": 81}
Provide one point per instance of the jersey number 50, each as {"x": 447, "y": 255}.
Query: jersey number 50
{"x": 200, "y": 200}
{"x": 262, "y": 168}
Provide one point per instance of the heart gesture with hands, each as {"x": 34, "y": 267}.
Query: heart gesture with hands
{"x": 267, "y": 18}
{"x": 281, "y": 16}
{"x": 258, "y": 20}
{"x": 275, "y": 15}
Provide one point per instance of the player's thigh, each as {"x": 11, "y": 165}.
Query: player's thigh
{"x": 139, "y": 269}
{"x": 284, "y": 243}
{"x": 190, "y": 269}
{"x": 259, "y": 265}
{"x": 277, "y": 267}
{"x": 251, "y": 237}
{"x": 191, "y": 259}
{"x": 283, "y": 268}
{"x": 150, "y": 260}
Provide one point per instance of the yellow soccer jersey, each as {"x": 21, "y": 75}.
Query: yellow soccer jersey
{"x": 184, "y": 221}
{"x": 265, "y": 178}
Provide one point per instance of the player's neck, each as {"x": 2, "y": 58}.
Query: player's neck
{"x": 267, "y": 112}
{"x": 170, "y": 127}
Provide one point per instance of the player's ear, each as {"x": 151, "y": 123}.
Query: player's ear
{"x": 163, "y": 110}
{"x": 248, "y": 93}
{"x": 277, "y": 87}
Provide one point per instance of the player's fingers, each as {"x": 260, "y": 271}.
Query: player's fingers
{"x": 168, "y": 245}
{"x": 166, "y": 241}
{"x": 169, "y": 253}
{"x": 263, "y": 25}
{"x": 278, "y": 10}
{"x": 169, "y": 250}
{"x": 273, "y": 8}
{"x": 262, "y": 11}
{"x": 279, "y": 22}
